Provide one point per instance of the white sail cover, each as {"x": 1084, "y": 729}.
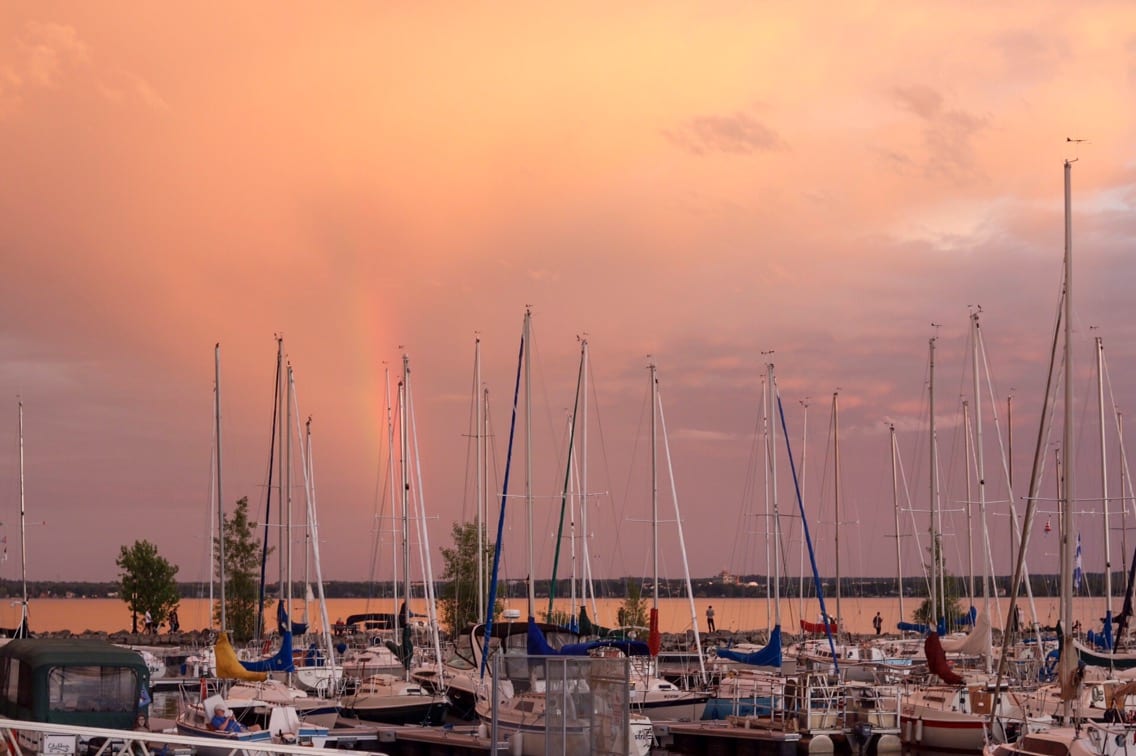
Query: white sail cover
{"x": 977, "y": 641}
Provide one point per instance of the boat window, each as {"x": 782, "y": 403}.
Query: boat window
{"x": 92, "y": 689}
{"x": 1044, "y": 746}
{"x": 19, "y": 688}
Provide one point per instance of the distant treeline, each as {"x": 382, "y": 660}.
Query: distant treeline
{"x": 745, "y": 586}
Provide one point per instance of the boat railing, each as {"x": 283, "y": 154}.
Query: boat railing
{"x": 22, "y": 736}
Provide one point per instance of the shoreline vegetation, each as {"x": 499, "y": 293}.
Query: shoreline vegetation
{"x": 720, "y": 586}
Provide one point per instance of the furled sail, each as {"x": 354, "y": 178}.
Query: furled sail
{"x": 977, "y": 641}
{"x": 768, "y": 656}
{"x": 937, "y": 660}
{"x": 229, "y": 666}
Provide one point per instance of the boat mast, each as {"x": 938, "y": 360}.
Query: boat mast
{"x": 404, "y": 438}
{"x": 220, "y": 502}
{"x": 981, "y": 477}
{"x": 527, "y": 329}
{"x": 391, "y": 485}
{"x": 681, "y": 548}
{"x": 23, "y": 631}
{"x": 836, "y": 490}
{"x": 654, "y": 491}
{"x": 967, "y": 455}
{"x": 1067, "y": 492}
{"x": 1104, "y": 497}
{"x": 286, "y": 494}
{"x": 936, "y": 524}
{"x": 773, "y": 501}
{"x": 479, "y": 453}
{"x": 895, "y": 509}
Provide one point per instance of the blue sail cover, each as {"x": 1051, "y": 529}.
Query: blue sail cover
{"x": 298, "y": 628}
{"x": 1103, "y": 639}
{"x": 969, "y": 618}
{"x": 769, "y": 656}
{"x": 913, "y": 627}
{"x": 537, "y": 645}
{"x": 281, "y": 662}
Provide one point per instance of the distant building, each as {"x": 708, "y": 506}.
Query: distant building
{"x": 727, "y": 578}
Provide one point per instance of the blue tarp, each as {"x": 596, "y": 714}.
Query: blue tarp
{"x": 769, "y": 656}
{"x": 537, "y": 645}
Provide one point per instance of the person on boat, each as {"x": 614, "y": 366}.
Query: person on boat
{"x": 224, "y": 722}
{"x": 710, "y": 619}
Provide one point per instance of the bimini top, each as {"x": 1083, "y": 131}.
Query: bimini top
{"x": 76, "y": 681}
{"x": 40, "y": 652}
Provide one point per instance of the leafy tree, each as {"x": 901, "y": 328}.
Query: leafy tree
{"x": 147, "y": 582}
{"x": 633, "y": 613}
{"x": 241, "y": 574}
{"x": 946, "y": 593}
{"x": 457, "y": 602}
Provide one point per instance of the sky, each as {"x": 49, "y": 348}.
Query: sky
{"x": 705, "y": 187}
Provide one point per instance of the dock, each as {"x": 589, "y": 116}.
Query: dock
{"x": 718, "y": 738}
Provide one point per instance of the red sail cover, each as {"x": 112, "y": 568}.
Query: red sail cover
{"x": 654, "y": 638}
{"x": 818, "y": 627}
{"x": 937, "y": 660}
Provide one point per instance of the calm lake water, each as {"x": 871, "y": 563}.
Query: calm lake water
{"x": 675, "y": 615}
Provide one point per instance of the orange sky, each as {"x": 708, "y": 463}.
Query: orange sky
{"x": 704, "y": 184}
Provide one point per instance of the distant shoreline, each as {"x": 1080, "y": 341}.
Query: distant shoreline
{"x": 717, "y": 587}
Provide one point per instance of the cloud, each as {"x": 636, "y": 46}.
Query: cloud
{"x": 36, "y": 59}
{"x": 120, "y": 86}
{"x": 46, "y": 48}
{"x": 736, "y": 134}
{"x": 947, "y": 133}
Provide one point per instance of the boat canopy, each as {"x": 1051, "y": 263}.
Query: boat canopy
{"x": 85, "y": 682}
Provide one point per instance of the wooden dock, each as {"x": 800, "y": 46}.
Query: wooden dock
{"x": 720, "y": 738}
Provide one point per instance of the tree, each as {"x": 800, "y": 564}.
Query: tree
{"x": 147, "y": 582}
{"x": 457, "y": 602}
{"x": 241, "y": 574}
{"x": 946, "y": 593}
{"x": 634, "y": 609}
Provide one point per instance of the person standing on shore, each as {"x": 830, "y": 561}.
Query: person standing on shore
{"x": 878, "y": 623}
{"x": 149, "y": 622}
{"x": 710, "y": 619}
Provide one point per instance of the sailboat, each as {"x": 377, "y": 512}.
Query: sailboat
{"x": 21, "y": 629}
{"x": 550, "y": 700}
{"x": 398, "y": 699}
{"x": 1072, "y": 736}
{"x": 652, "y": 695}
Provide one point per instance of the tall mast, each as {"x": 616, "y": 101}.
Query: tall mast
{"x": 23, "y": 631}
{"x": 773, "y": 487}
{"x": 895, "y": 509}
{"x": 220, "y": 502}
{"x": 934, "y": 478}
{"x": 1104, "y": 495}
{"x": 586, "y": 573}
{"x": 479, "y": 444}
{"x": 404, "y": 438}
{"x": 967, "y": 455}
{"x": 286, "y": 494}
{"x": 981, "y": 476}
{"x": 1068, "y": 489}
{"x": 526, "y": 333}
{"x": 654, "y": 490}
{"x": 391, "y": 482}
{"x": 836, "y": 489}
